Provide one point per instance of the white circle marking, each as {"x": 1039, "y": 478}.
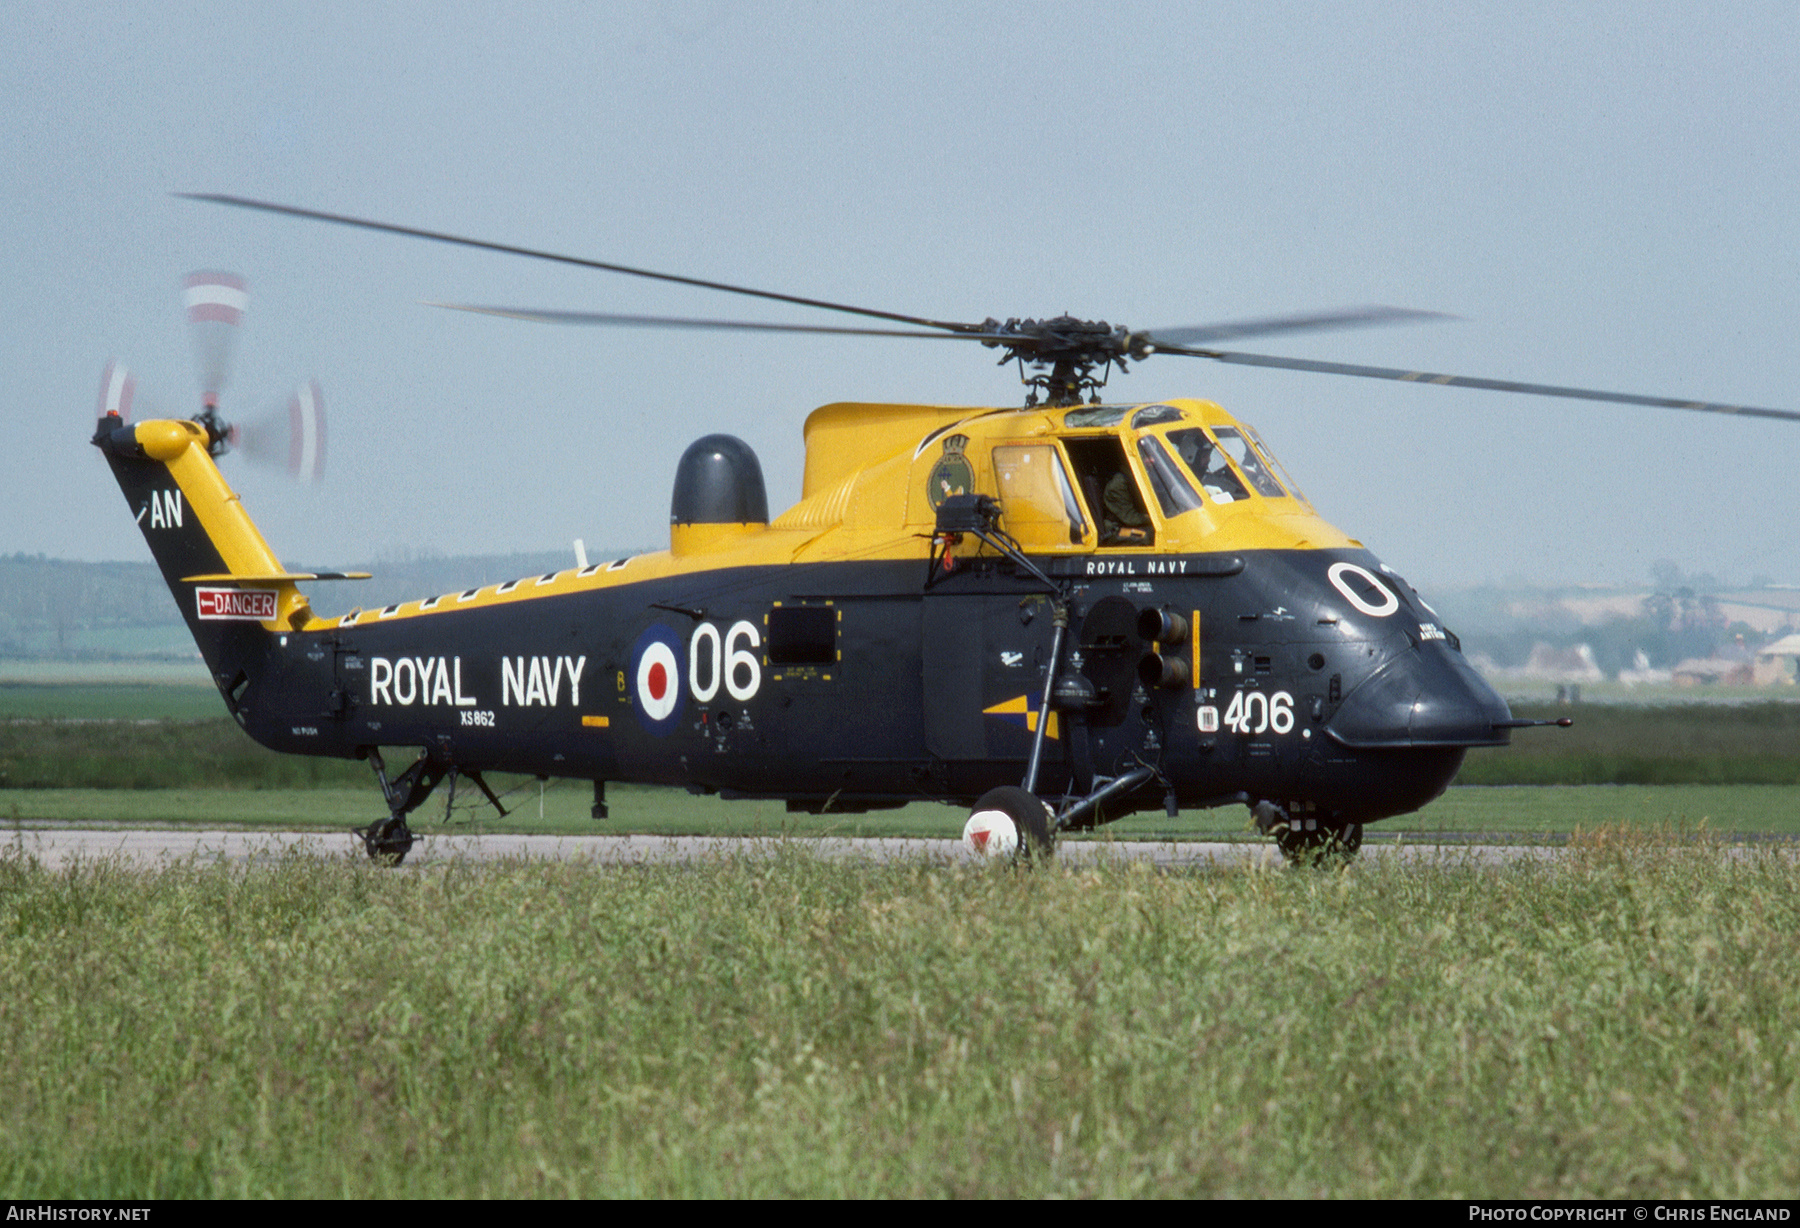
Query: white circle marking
{"x": 1336, "y": 575}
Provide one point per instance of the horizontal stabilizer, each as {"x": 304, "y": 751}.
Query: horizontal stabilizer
{"x": 277, "y": 577}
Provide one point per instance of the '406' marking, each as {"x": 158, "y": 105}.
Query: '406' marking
{"x": 1252, "y": 712}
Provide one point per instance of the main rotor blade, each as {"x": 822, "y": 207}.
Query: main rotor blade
{"x": 626, "y": 321}
{"x": 535, "y": 254}
{"x": 1491, "y": 385}
{"x": 1317, "y": 321}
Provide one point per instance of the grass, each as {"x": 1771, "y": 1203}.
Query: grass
{"x": 1748, "y": 743}
{"x": 154, "y": 754}
{"x": 110, "y": 701}
{"x": 1617, "y": 1026}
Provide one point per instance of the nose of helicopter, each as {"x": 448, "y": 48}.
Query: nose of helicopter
{"x": 1427, "y": 695}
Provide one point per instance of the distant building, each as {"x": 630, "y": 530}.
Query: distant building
{"x": 1732, "y": 665}
{"x": 1546, "y": 664}
{"x": 1777, "y": 663}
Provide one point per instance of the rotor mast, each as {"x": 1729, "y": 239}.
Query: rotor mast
{"x": 1070, "y": 349}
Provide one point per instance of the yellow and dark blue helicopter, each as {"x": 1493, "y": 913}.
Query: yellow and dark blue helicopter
{"x": 1054, "y": 615}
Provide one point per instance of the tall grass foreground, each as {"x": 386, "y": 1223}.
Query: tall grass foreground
{"x": 1621, "y": 1022}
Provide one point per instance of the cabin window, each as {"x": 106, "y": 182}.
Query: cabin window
{"x": 1037, "y": 497}
{"x": 803, "y": 635}
{"x": 1172, "y": 490}
{"x": 1111, "y": 490}
{"x": 1208, "y": 465}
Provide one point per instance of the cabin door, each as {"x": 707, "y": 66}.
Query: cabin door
{"x": 985, "y": 656}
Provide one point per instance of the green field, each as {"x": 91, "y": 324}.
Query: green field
{"x": 1743, "y": 743}
{"x": 1618, "y": 1025}
{"x": 142, "y": 700}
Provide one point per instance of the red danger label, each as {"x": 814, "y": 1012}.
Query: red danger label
{"x": 243, "y": 604}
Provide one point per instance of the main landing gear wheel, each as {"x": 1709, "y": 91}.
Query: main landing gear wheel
{"x": 1009, "y": 822}
{"x": 388, "y": 841}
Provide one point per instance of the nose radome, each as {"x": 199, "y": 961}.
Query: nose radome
{"x": 1428, "y": 695}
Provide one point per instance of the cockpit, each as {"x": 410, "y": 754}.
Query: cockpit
{"x": 1115, "y": 474}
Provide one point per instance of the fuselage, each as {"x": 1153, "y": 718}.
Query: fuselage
{"x": 851, "y": 654}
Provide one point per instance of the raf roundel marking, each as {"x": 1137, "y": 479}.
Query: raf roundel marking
{"x": 656, "y": 676}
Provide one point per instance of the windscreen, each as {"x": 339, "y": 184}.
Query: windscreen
{"x": 1172, "y": 489}
{"x": 1249, "y": 463}
{"x": 1208, "y": 465}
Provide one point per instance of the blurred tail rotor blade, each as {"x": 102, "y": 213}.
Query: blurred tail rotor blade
{"x": 117, "y": 387}
{"x": 306, "y": 424}
{"x": 293, "y": 438}
{"x": 216, "y": 303}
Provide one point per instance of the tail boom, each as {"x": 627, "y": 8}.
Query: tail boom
{"x": 232, "y": 590}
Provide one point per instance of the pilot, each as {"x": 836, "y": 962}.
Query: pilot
{"x": 1125, "y": 521}
{"x": 1197, "y": 451}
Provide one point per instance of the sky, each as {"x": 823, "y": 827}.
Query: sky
{"x": 1601, "y": 193}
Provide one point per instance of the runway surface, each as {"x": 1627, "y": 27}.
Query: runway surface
{"x": 56, "y": 848}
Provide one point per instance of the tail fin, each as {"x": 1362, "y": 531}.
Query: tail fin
{"x": 232, "y": 590}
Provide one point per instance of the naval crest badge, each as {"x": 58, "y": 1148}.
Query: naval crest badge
{"x": 952, "y": 474}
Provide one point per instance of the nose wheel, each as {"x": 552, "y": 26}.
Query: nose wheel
{"x": 1309, "y": 841}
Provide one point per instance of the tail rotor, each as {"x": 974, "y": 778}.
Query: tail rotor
{"x": 290, "y": 437}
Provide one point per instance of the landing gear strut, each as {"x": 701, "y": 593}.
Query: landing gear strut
{"x": 1015, "y": 822}
{"x": 389, "y": 840}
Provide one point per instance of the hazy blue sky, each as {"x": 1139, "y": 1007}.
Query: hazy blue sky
{"x": 1605, "y": 193}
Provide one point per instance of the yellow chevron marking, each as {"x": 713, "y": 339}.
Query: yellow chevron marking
{"x": 1021, "y": 706}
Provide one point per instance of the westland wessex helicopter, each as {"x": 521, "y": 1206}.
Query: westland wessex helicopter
{"x": 1055, "y": 615}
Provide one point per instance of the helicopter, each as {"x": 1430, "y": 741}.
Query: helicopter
{"x": 1054, "y": 614}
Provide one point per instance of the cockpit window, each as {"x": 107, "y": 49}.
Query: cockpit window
{"x": 1094, "y": 415}
{"x": 1172, "y": 489}
{"x": 1208, "y": 465}
{"x": 1249, "y": 463}
{"x": 1155, "y": 415}
{"x": 1275, "y": 464}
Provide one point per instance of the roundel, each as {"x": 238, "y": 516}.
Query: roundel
{"x": 656, "y": 679}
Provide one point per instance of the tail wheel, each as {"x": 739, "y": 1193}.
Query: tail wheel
{"x": 387, "y": 841}
{"x": 1009, "y": 822}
